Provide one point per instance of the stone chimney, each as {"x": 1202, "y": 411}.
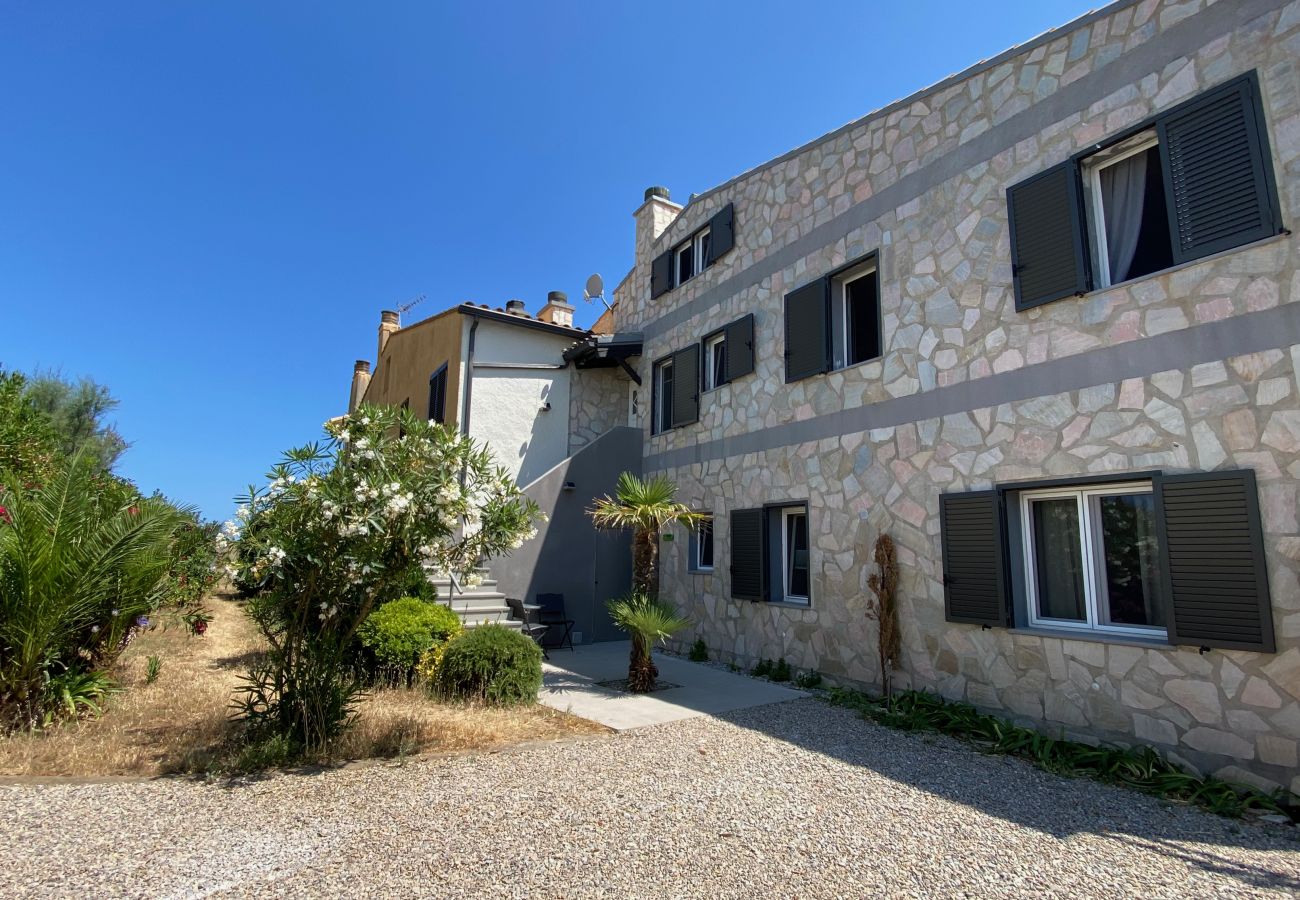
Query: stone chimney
{"x": 389, "y": 322}
{"x": 516, "y": 308}
{"x": 557, "y": 310}
{"x": 360, "y": 381}
{"x": 652, "y": 217}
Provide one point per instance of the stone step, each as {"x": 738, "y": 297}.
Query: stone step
{"x": 477, "y": 620}
{"x": 475, "y": 601}
{"x": 444, "y": 587}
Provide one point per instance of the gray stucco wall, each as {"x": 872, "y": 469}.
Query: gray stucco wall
{"x": 569, "y": 556}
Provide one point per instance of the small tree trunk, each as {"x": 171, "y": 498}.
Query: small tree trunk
{"x": 645, "y": 563}
{"x": 641, "y": 670}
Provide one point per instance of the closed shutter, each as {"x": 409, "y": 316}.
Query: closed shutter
{"x": 661, "y": 274}
{"x": 747, "y": 554}
{"x": 438, "y": 396}
{"x": 740, "y": 348}
{"x": 1216, "y": 581}
{"x": 974, "y": 579}
{"x": 1047, "y": 247}
{"x": 722, "y": 233}
{"x": 686, "y": 386}
{"x": 1218, "y": 175}
{"x": 807, "y": 330}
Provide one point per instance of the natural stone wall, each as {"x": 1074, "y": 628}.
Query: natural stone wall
{"x": 923, "y": 183}
{"x": 597, "y": 403}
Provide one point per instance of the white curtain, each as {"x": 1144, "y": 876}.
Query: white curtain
{"x": 1123, "y": 189}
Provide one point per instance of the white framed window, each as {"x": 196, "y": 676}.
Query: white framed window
{"x": 795, "y": 572}
{"x": 1128, "y": 218}
{"x": 702, "y": 545}
{"x": 1091, "y": 559}
{"x": 855, "y": 317}
{"x": 662, "y": 418}
{"x": 715, "y": 360}
{"x": 691, "y": 257}
{"x": 685, "y": 257}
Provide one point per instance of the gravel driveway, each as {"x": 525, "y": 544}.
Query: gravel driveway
{"x": 795, "y": 799}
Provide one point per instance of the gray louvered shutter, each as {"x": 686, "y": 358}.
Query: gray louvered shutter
{"x": 1216, "y": 580}
{"x": 807, "y": 330}
{"x": 661, "y": 274}
{"x": 746, "y": 554}
{"x": 740, "y": 348}
{"x": 722, "y": 233}
{"x": 1217, "y": 170}
{"x": 1047, "y": 247}
{"x": 686, "y": 385}
{"x": 974, "y": 570}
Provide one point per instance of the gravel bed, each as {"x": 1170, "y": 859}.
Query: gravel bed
{"x": 796, "y": 799}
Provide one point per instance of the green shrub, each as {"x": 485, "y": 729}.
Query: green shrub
{"x": 399, "y": 632}
{"x": 152, "y": 668}
{"x": 808, "y": 680}
{"x": 762, "y": 668}
{"x": 699, "y": 651}
{"x": 493, "y": 664}
{"x": 780, "y": 671}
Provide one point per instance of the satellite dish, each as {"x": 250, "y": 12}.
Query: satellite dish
{"x": 595, "y": 287}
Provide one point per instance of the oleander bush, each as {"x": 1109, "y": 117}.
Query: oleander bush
{"x": 399, "y": 633}
{"x": 490, "y": 664}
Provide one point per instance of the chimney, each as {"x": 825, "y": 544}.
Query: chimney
{"x": 389, "y": 322}
{"x": 652, "y": 217}
{"x": 557, "y": 310}
{"x": 516, "y": 308}
{"x": 360, "y": 381}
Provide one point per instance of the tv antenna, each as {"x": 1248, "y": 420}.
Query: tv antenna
{"x": 410, "y": 304}
{"x": 595, "y": 290}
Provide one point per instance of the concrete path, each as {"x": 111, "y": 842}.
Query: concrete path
{"x": 570, "y": 683}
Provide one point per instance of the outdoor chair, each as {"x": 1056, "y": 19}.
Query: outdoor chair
{"x": 528, "y": 615}
{"x": 554, "y": 617}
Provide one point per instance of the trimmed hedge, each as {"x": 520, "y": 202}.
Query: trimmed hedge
{"x": 492, "y": 664}
{"x": 399, "y": 632}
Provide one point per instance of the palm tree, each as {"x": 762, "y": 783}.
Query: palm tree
{"x": 647, "y": 621}
{"x": 646, "y": 506}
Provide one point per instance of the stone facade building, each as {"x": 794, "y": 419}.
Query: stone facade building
{"x": 1040, "y": 323}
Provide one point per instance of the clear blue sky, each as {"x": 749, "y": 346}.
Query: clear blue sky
{"x": 204, "y": 206}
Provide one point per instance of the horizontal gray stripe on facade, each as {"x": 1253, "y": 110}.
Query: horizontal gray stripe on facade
{"x": 1178, "y": 40}
{"x": 1251, "y": 333}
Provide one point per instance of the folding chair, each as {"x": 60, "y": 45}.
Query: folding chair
{"x": 553, "y": 616}
{"x": 527, "y": 614}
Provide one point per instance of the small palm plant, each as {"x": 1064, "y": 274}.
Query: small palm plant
{"x": 647, "y": 620}
{"x": 646, "y": 506}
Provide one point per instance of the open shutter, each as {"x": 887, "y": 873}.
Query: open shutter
{"x": 747, "y": 554}
{"x": 1216, "y": 581}
{"x": 1047, "y": 247}
{"x": 974, "y": 572}
{"x": 1218, "y": 175}
{"x": 686, "y": 385}
{"x": 661, "y": 274}
{"x": 722, "y": 233}
{"x": 740, "y": 348}
{"x": 807, "y": 330}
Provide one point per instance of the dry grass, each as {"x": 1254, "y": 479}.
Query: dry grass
{"x": 181, "y": 723}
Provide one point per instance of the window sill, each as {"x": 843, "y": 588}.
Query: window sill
{"x": 1131, "y": 282}
{"x": 789, "y": 604}
{"x": 1096, "y": 637}
{"x": 856, "y": 365}
{"x": 708, "y": 571}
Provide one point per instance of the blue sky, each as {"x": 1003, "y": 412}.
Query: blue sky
{"x": 204, "y": 206}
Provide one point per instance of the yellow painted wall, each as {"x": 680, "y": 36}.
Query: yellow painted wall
{"x": 411, "y": 356}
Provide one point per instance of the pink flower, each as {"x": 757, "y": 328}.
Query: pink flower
{"x": 4, "y": 514}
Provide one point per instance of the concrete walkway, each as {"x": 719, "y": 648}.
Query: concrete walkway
{"x": 570, "y": 683}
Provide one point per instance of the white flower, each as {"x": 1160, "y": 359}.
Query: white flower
{"x": 94, "y": 629}
{"x": 365, "y": 420}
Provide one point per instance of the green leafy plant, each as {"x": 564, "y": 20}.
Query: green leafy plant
{"x": 491, "y": 664}
{"x": 152, "y": 668}
{"x": 339, "y": 531}
{"x": 808, "y": 680}
{"x": 648, "y": 621}
{"x": 73, "y": 694}
{"x": 780, "y": 671}
{"x": 1137, "y": 767}
{"x": 647, "y": 507}
{"x": 401, "y": 631}
{"x": 762, "y": 669}
{"x": 699, "y": 651}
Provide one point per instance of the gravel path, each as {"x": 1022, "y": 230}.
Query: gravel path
{"x": 794, "y": 799}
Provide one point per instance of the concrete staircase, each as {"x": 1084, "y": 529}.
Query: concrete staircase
{"x": 479, "y": 605}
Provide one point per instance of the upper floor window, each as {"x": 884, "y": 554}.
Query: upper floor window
{"x": 834, "y": 322}
{"x": 1193, "y": 181}
{"x": 663, "y": 390}
{"x": 691, "y": 256}
{"x": 715, "y": 360}
{"x": 855, "y": 317}
{"x": 438, "y": 395}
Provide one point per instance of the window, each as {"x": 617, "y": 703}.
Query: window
{"x": 715, "y": 360}
{"x": 701, "y": 547}
{"x": 794, "y": 553}
{"x": 438, "y": 395}
{"x": 1195, "y": 180}
{"x": 663, "y": 400}
{"x": 1129, "y": 220}
{"x": 1092, "y": 559}
{"x": 855, "y": 317}
{"x": 692, "y": 255}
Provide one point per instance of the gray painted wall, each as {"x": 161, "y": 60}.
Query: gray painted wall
{"x": 569, "y": 556}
